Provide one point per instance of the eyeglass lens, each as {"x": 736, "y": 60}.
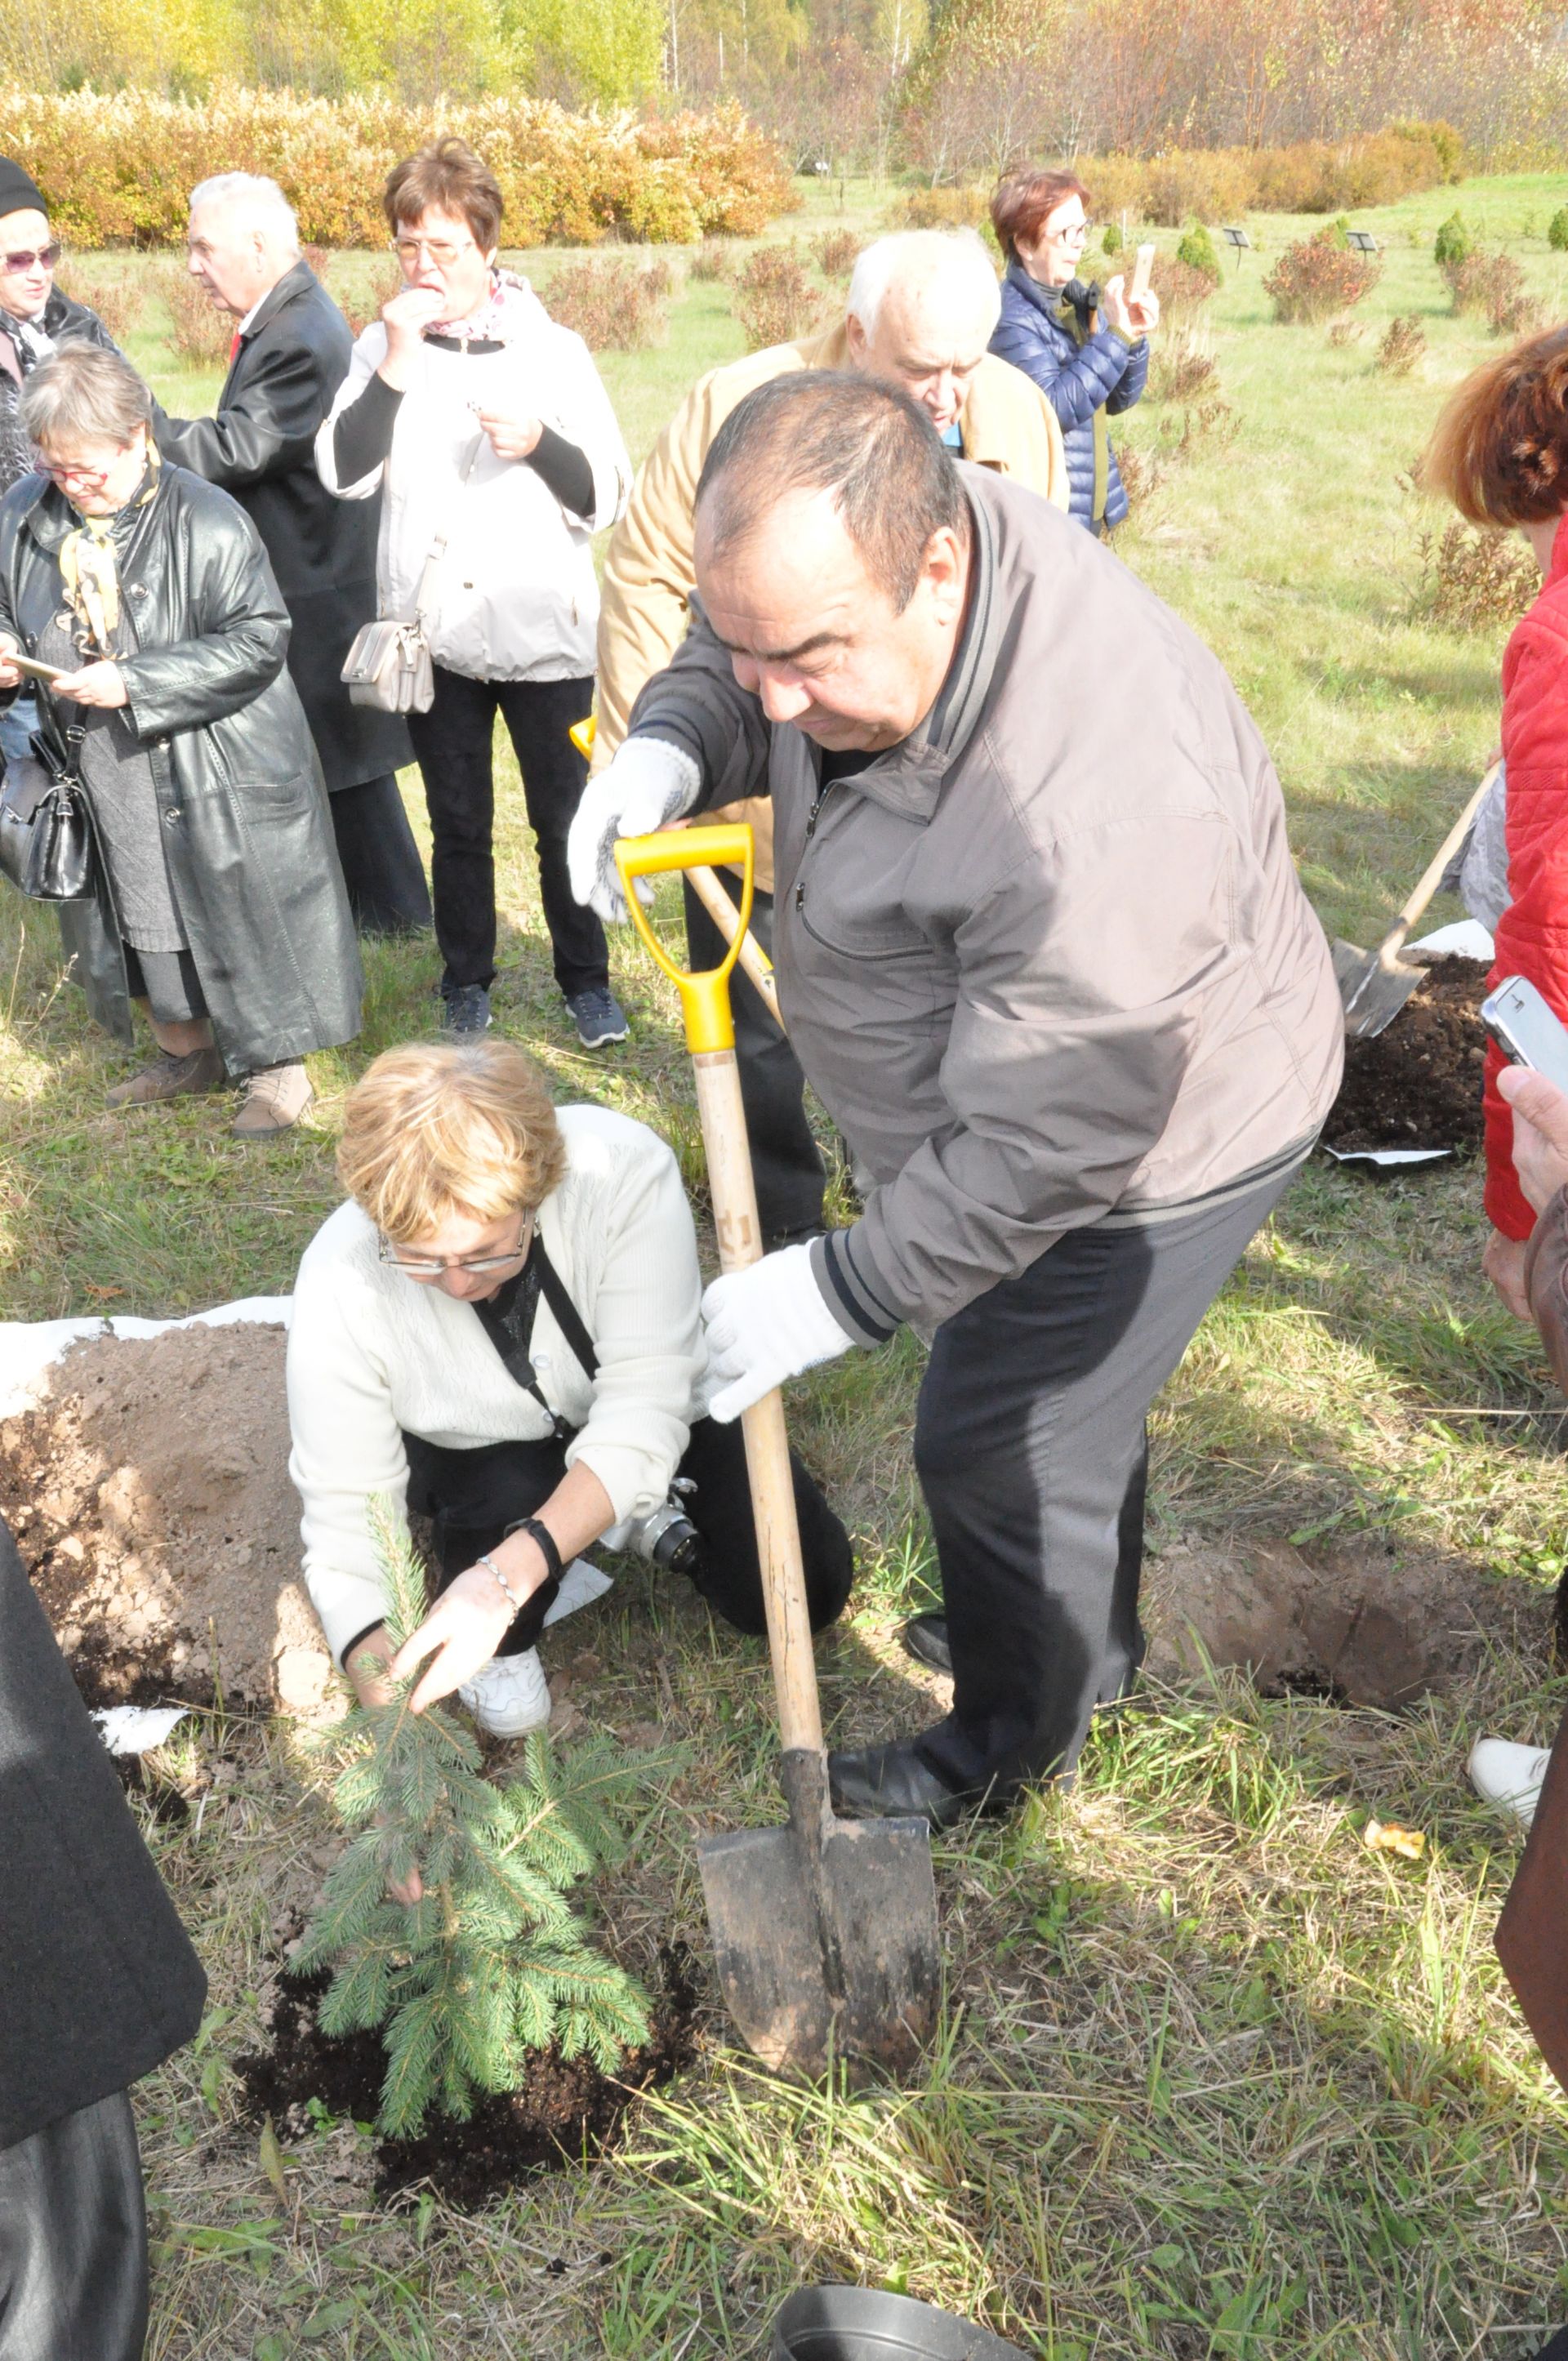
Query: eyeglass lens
{"x": 408, "y": 250}
{"x": 48, "y": 255}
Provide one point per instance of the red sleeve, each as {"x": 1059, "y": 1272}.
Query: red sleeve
{"x": 1532, "y": 934}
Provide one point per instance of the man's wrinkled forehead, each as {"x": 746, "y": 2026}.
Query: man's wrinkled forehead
{"x": 791, "y": 587}
{"x": 925, "y": 329}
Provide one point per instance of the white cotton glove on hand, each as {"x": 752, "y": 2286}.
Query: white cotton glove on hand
{"x": 647, "y": 783}
{"x": 764, "y": 1324}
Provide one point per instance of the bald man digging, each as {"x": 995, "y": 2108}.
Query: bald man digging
{"x": 921, "y": 310}
{"x": 1044, "y": 958}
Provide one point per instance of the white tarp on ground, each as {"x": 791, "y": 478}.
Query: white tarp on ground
{"x": 28, "y": 1347}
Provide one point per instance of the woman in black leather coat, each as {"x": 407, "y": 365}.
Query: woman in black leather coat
{"x": 221, "y": 902}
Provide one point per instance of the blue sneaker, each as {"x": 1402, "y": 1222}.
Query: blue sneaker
{"x": 598, "y": 1017}
{"x": 468, "y": 1008}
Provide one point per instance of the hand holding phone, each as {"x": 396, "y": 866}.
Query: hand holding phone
{"x": 1519, "y": 1021}
{"x": 1143, "y": 271}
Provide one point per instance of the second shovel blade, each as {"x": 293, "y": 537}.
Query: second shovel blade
{"x": 881, "y": 1900}
{"x": 1371, "y": 993}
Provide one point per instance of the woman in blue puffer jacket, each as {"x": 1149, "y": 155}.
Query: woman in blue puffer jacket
{"x": 1088, "y": 354}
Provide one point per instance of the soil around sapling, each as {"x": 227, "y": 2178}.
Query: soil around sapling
{"x": 567, "y": 2112}
{"x": 1418, "y": 1084}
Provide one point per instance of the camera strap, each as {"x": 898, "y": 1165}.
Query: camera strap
{"x": 507, "y": 1321}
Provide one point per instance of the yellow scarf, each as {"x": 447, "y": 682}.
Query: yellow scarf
{"x": 89, "y": 564}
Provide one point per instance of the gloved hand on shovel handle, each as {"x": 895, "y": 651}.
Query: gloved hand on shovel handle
{"x": 766, "y": 1324}
{"x": 648, "y": 782}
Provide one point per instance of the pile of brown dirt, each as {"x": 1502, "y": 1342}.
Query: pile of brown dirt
{"x": 1364, "y": 1623}
{"x": 148, "y": 1492}
{"x": 1418, "y": 1084}
{"x": 566, "y": 2110}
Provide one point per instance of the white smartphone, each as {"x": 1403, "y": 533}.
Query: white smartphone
{"x": 1143, "y": 271}
{"x": 31, "y": 669}
{"x": 1525, "y": 1029}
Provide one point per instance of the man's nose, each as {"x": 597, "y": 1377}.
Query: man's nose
{"x": 783, "y": 700}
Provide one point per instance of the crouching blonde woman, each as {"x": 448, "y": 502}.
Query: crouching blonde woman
{"x": 500, "y": 1330}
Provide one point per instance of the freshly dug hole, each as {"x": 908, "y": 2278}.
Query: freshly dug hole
{"x": 566, "y": 2112}
{"x": 1418, "y": 1084}
{"x": 148, "y": 1493}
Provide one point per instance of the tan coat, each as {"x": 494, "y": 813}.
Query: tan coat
{"x": 650, "y": 572}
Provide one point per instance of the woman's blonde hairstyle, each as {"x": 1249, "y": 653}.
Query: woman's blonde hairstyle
{"x": 465, "y": 1128}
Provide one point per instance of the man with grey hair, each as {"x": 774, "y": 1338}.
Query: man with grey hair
{"x": 289, "y": 356}
{"x": 1046, "y": 962}
{"x": 922, "y": 307}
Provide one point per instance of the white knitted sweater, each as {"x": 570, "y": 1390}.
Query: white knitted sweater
{"x": 372, "y": 1355}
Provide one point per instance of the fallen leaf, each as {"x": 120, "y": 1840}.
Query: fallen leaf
{"x": 1387, "y": 1836}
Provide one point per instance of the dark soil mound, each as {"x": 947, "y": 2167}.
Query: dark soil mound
{"x": 1418, "y": 1084}
{"x": 566, "y": 2110}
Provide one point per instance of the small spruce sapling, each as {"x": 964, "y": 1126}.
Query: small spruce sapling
{"x": 1557, "y": 230}
{"x": 492, "y": 1962}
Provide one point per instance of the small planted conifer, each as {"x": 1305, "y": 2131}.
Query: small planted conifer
{"x": 493, "y": 1962}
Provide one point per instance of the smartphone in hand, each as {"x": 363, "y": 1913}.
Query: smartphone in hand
{"x": 1143, "y": 271}
{"x": 1526, "y": 1030}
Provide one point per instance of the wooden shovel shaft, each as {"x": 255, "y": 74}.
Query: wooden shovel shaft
{"x": 1426, "y": 886}
{"x": 767, "y": 1444}
{"x": 705, "y": 885}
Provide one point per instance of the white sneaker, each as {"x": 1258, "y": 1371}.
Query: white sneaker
{"x": 510, "y": 1695}
{"x": 1509, "y": 1774}
{"x": 581, "y": 1583}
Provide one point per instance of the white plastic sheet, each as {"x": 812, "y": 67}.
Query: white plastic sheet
{"x": 30, "y": 1347}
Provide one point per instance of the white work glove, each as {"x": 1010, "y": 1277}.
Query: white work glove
{"x": 647, "y": 783}
{"x": 764, "y": 1324}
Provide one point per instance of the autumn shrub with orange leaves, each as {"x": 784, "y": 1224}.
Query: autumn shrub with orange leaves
{"x": 119, "y": 169}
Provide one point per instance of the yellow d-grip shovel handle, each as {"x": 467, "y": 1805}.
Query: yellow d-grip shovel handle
{"x": 704, "y": 996}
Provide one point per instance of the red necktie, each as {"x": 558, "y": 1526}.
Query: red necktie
{"x": 234, "y": 342}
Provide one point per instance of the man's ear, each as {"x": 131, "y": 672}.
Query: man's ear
{"x": 946, "y": 572}
{"x": 860, "y": 342}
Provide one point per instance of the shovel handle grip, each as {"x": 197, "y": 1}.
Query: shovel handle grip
{"x": 1426, "y": 883}
{"x": 763, "y": 1426}
{"x": 759, "y": 967}
{"x": 704, "y": 994}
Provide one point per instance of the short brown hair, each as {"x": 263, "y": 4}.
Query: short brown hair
{"x": 431, "y": 1130}
{"x": 1026, "y": 200}
{"x": 449, "y": 177}
{"x": 1500, "y": 448}
{"x": 84, "y": 392}
{"x": 831, "y": 431}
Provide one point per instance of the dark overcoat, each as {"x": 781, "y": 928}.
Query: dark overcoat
{"x": 247, "y": 833}
{"x": 98, "y": 1980}
{"x": 259, "y": 446}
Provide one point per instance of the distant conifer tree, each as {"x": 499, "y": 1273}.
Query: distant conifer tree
{"x": 493, "y": 1962}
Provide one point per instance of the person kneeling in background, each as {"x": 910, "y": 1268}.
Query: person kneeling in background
{"x": 500, "y": 1330}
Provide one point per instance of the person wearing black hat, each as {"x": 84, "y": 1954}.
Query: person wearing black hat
{"x": 34, "y": 318}
{"x": 98, "y": 1985}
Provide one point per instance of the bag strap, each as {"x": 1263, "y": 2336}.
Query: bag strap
{"x": 424, "y": 597}
{"x": 564, "y": 1312}
{"x": 514, "y": 1347}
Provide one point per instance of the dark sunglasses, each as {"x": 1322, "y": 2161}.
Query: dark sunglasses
{"x": 48, "y": 255}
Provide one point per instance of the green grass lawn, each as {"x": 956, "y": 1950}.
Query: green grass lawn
{"x": 1214, "y": 2078}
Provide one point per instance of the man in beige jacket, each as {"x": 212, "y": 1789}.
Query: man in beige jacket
{"x": 921, "y": 311}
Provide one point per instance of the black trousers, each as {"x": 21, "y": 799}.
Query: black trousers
{"x": 381, "y": 866}
{"x": 1031, "y": 1448}
{"x": 785, "y": 1158}
{"x": 455, "y": 744}
{"x": 73, "y": 2240}
{"x": 474, "y": 1496}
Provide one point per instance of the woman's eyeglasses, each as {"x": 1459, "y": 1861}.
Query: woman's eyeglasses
{"x": 48, "y": 255}
{"x": 86, "y": 480}
{"x": 425, "y": 1267}
{"x": 408, "y": 250}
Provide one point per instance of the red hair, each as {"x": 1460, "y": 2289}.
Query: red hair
{"x": 1026, "y": 200}
{"x": 1500, "y": 448}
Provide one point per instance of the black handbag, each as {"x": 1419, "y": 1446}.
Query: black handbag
{"x": 46, "y": 829}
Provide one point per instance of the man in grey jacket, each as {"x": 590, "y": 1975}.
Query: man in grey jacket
{"x": 1044, "y": 958}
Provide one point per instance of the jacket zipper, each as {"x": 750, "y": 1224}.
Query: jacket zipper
{"x": 824, "y": 789}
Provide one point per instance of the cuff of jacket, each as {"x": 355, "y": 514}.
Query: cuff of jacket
{"x": 1546, "y": 1283}
{"x": 847, "y": 1289}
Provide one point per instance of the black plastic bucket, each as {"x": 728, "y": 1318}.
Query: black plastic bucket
{"x": 855, "y": 2323}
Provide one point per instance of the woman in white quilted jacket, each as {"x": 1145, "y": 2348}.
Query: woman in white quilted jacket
{"x": 501, "y": 1331}
{"x": 478, "y": 418}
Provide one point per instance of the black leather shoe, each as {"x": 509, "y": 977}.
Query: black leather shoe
{"x": 925, "y": 1638}
{"x": 891, "y": 1783}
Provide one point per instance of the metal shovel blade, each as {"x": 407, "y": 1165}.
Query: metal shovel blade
{"x": 825, "y": 1931}
{"x": 1373, "y": 988}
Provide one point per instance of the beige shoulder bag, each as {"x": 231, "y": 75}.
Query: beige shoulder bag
{"x": 390, "y": 665}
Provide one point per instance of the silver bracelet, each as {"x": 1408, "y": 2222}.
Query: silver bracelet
{"x": 507, "y": 1593}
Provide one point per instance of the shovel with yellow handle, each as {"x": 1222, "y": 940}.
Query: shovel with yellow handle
{"x": 824, "y": 1930}
{"x": 759, "y": 967}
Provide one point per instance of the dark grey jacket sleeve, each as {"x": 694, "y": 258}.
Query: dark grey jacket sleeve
{"x": 697, "y": 704}
{"x": 268, "y": 429}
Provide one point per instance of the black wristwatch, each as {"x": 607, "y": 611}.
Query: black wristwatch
{"x": 546, "y": 1541}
